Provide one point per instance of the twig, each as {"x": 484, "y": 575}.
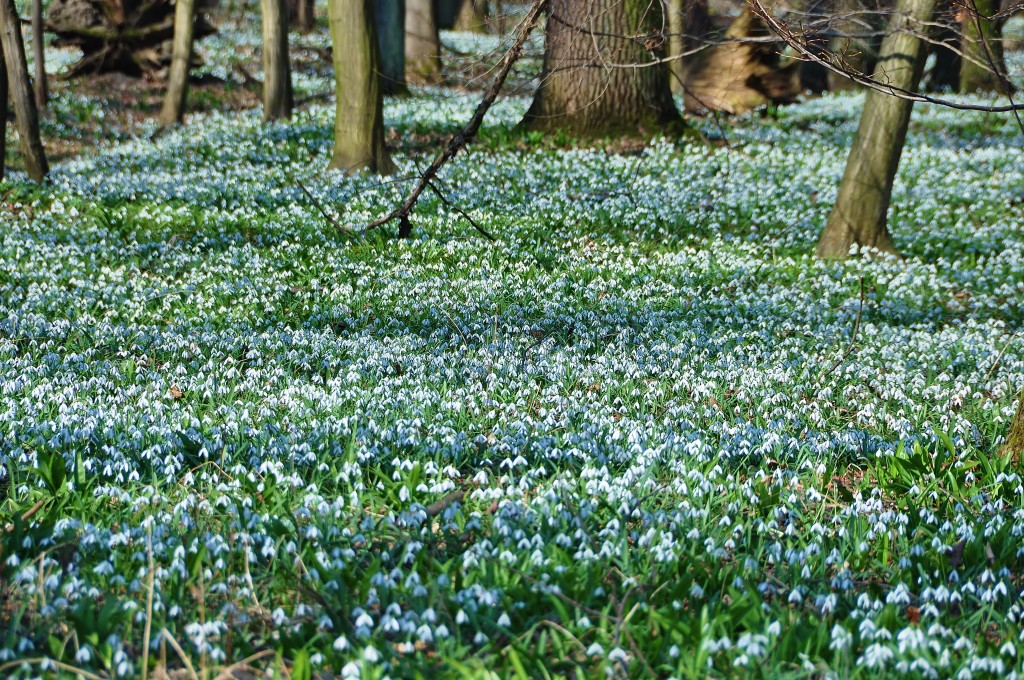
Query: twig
{"x": 853, "y": 337}
{"x": 452, "y": 206}
{"x": 439, "y": 506}
{"x": 463, "y": 137}
{"x": 317, "y": 204}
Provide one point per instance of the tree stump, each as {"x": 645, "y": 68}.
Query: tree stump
{"x": 124, "y": 36}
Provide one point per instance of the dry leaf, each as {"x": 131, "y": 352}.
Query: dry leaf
{"x": 176, "y": 393}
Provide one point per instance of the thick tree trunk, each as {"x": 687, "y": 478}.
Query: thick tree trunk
{"x": 422, "y": 43}
{"x": 1014, "y": 445}
{"x": 305, "y": 16}
{"x": 277, "y": 75}
{"x": 737, "y": 76}
{"x": 389, "y": 16}
{"x": 359, "y": 116}
{"x": 39, "y": 54}
{"x": 983, "y": 67}
{"x": 861, "y": 209}
{"x": 472, "y": 17}
{"x": 21, "y": 92}
{"x": 593, "y": 84}
{"x": 173, "y": 111}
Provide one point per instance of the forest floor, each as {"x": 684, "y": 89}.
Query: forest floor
{"x": 644, "y": 433}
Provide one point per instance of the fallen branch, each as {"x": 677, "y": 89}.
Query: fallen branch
{"x": 467, "y": 134}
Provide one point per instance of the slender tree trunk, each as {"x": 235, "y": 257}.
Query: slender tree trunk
{"x": 389, "y": 19}
{"x": 983, "y": 67}
{"x": 3, "y": 113}
{"x": 359, "y": 116}
{"x": 422, "y": 43}
{"x": 814, "y": 76}
{"x": 1014, "y": 445}
{"x": 277, "y": 75}
{"x": 688, "y": 27}
{"x": 21, "y": 92}
{"x": 854, "y": 46}
{"x": 588, "y": 87}
{"x": 305, "y": 16}
{"x": 861, "y": 209}
{"x": 173, "y": 111}
{"x": 39, "y": 54}
{"x": 472, "y": 17}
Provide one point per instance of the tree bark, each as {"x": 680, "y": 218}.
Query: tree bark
{"x": 389, "y": 18}
{"x": 305, "y": 16}
{"x": 854, "y": 46}
{"x": 3, "y": 113}
{"x": 173, "y": 111}
{"x": 1014, "y": 445}
{"x": 861, "y": 209}
{"x": 422, "y": 43}
{"x": 597, "y": 79}
{"x": 814, "y": 76}
{"x": 983, "y": 67}
{"x": 39, "y": 54}
{"x": 472, "y": 17}
{"x": 277, "y": 75}
{"x": 359, "y": 116}
{"x": 21, "y": 92}
{"x": 688, "y": 27}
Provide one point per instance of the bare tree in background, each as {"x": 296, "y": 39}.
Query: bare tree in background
{"x": 20, "y": 90}
{"x": 359, "y": 116}
{"x": 39, "y": 54}
{"x": 173, "y": 111}
{"x": 422, "y": 42}
{"x": 982, "y": 67}
{"x": 389, "y": 20}
{"x": 472, "y": 17}
{"x": 277, "y": 74}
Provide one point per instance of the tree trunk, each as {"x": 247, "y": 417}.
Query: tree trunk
{"x": 983, "y": 67}
{"x": 305, "y": 16}
{"x": 422, "y": 43}
{"x": 814, "y": 76}
{"x": 944, "y": 75}
{"x": 39, "y": 54}
{"x": 472, "y": 17}
{"x": 737, "y": 76}
{"x": 688, "y": 27}
{"x": 173, "y": 111}
{"x": 854, "y": 47}
{"x": 592, "y": 85}
{"x": 3, "y": 114}
{"x": 359, "y": 116}
{"x": 277, "y": 75}
{"x": 18, "y": 82}
{"x": 389, "y": 18}
{"x": 861, "y": 209}
{"x": 1014, "y": 445}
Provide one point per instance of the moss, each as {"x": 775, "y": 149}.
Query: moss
{"x": 1015, "y": 438}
